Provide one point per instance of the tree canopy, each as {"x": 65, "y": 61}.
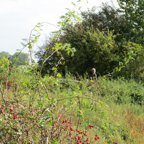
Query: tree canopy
{"x": 19, "y": 59}
{"x": 105, "y": 40}
{"x": 132, "y": 12}
{"x": 4, "y": 54}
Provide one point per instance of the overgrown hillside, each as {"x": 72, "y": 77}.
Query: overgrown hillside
{"x": 52, "y": 102}
{"x": 70, "y": 111}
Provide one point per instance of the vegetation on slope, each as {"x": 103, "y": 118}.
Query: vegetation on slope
{"x": 70, "y": 109}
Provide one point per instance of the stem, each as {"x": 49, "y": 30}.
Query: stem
{"x": 38, "y": 88}
{"x": 2, "y": 95}
{"x": 59, "y": 61}
{"x": 7, "y": 78}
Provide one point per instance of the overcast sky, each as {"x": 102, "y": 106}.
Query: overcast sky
{"x": 18, "y": 17}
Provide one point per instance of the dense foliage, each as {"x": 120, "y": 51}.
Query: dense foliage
{"x": 36, "y": 107}
{"x": 69, "y": 111}
{"x": 104, "y": 40}
{"x": 134, "y": 18}
{"x": 4, "y": 54}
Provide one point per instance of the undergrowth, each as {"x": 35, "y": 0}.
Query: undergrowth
{"x": 69, "y": 111}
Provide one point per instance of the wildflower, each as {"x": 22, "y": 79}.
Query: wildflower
{"x": 85, "y": 134}
{"x": 11, "y": 110}
{"x": 78, "y": 142}
{"x": 78, "y": 131}
{"x": 96, "y": 138}
{"x": 71, "y": 129}
{"x": 91, "y": 126}
{"x": 79, "y": 137}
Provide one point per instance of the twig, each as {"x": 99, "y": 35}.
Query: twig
{"x": 38, "y": 87}
{"x": 59, "y": 61}
{"x": 42, "y": 84}
{"x": 2, "y": 95}
{"x": 7, "y": 77}
{"x": 79, "y": 109}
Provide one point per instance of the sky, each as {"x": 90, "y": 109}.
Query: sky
{"x": 18, "y": 18}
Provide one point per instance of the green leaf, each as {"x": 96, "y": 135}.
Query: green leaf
{"x": 59, "y": 75}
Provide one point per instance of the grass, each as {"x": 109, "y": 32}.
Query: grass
{"x": 64, "y": 109}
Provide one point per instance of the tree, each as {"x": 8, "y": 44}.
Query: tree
{"x": 95, "y": 44}
{"x": 20, "y": 59}
{"x": 93, "y": 49}
{"x": 101, "y": 41}
{"x": 133, "y": 13}
{"x": 5, "y": 54}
